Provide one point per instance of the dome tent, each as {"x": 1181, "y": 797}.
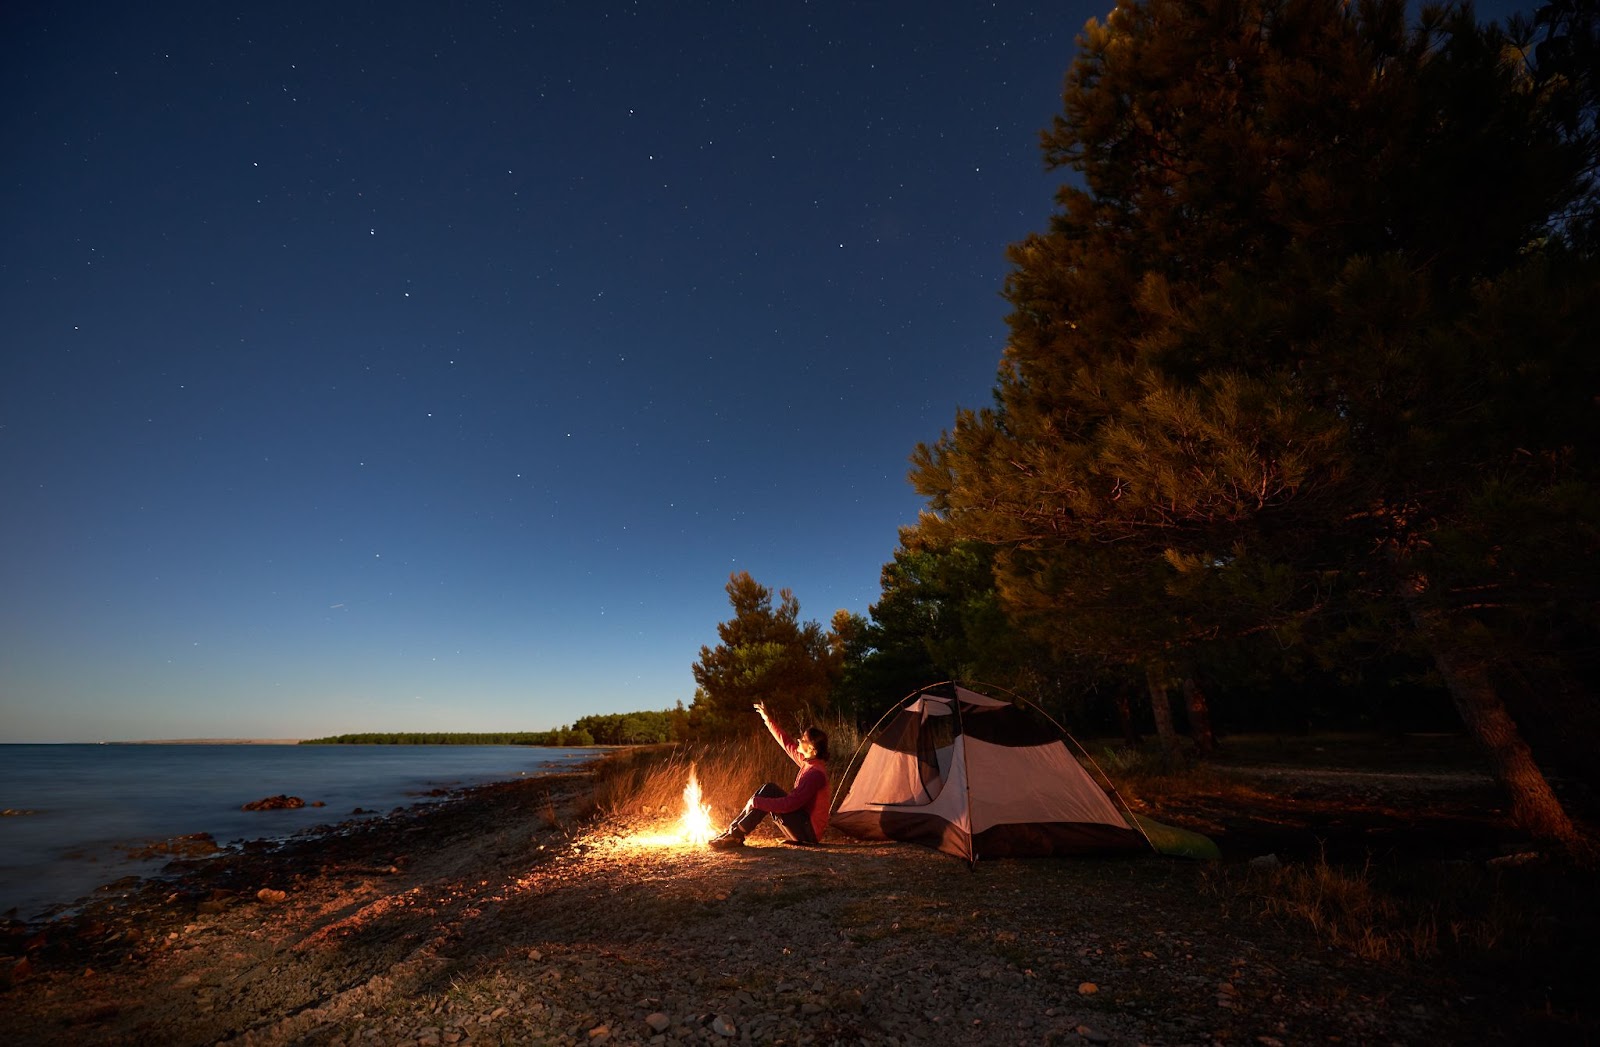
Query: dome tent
{"x": 978, "y": 777}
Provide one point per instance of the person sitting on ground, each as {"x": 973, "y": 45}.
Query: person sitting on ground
{"x": 802, "y": 812}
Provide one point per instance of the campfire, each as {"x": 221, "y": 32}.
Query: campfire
{"x": 693, "y": 828}
{"x": 695, "y": 825}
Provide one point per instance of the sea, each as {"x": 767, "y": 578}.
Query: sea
{"x": 73, "y": 813}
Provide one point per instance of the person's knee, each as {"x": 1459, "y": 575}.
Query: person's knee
{"x": 770, "y": 789}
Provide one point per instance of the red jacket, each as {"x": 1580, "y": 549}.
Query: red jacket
{"x": 810, "y": 792}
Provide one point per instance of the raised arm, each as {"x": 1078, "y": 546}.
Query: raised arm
{"x": 790, "y": 746}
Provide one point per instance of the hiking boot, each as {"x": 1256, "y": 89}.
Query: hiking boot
{"x": 727, "y": 841}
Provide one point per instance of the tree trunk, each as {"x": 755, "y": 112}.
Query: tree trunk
{"x": 1161, "y": 707}
{"x": 1130, "y": 731}
{"x": 1558, "y": 714}
{"x": 1194, "y": 700}
{"x": 1534, "y": 805}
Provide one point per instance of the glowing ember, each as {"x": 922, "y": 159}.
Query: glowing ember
{"x": 695, "y": 828}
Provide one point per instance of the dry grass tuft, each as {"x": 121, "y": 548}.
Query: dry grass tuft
{"x": 1343, "y": 908}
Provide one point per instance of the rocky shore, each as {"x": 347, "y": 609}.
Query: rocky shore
{"x": 501, "y": 916}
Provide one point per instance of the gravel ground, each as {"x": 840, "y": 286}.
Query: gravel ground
{"x": 484, "y": 920}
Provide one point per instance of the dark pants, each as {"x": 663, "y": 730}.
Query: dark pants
{"x": 796, "y": 825}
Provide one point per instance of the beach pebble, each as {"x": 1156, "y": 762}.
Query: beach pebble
{"x": 658, "y": 1021}
{"x": 1087, "y": 988}
{"x": 268, "y": 896}
{"x": 722, "y": 1025}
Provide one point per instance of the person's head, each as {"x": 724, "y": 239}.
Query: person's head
{"x": 814, "y": 743}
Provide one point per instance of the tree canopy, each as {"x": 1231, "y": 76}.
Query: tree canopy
{"x": 1309, "y": 339}
{"x": 766, "y": 654}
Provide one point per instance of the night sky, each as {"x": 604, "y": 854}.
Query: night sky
{"x": 403, "y": 366}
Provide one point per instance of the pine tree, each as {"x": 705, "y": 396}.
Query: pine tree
{"x": 766, "y": 654}
{"x": 1310, "y": 319}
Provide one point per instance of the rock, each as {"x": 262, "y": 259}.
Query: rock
{"x": 600, "y": 1033}
{"x": 722, "y": 1025}
{"x": 1265, "y": 861}
{"x": 268, "y": 896}
{"x": 658, "y": 1021}
{"x": 1093, "y": 1035}
{"x": 1087, "y": 988}
{"x": 274, "y": 803}
{"x": 194, "y": 845}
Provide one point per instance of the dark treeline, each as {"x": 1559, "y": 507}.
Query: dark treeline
{"x": 641, "y": 728}
{"x": 556, "y": 737}
{"x": 1297, "y": 420}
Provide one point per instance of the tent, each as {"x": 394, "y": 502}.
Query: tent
{"x": 976, "y": 776}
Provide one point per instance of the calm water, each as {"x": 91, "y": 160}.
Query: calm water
{"x": 94, "y": 802}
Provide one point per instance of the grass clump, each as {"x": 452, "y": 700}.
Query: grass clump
{"x": 1343, "y": 907}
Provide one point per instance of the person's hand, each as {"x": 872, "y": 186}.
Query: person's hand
{"x": 761, "y": 707}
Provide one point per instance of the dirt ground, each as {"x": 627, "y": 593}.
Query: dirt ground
{"x": 497, "y": 918}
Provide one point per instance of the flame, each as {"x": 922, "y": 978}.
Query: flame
{"x": 695, "y": 826}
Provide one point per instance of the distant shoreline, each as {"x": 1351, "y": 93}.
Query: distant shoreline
{"x": 302, "y": 741}
{"x": 208, "y": 741}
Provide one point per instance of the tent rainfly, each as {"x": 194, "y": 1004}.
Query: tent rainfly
{"x": 975, "y": 777}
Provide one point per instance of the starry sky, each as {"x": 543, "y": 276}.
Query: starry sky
{"x": 392, "y": 365}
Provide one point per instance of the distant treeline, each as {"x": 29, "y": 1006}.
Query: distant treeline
{"x": 640, "y": 728}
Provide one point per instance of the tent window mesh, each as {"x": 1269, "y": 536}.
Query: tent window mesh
{"x": 930, "y": 739}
